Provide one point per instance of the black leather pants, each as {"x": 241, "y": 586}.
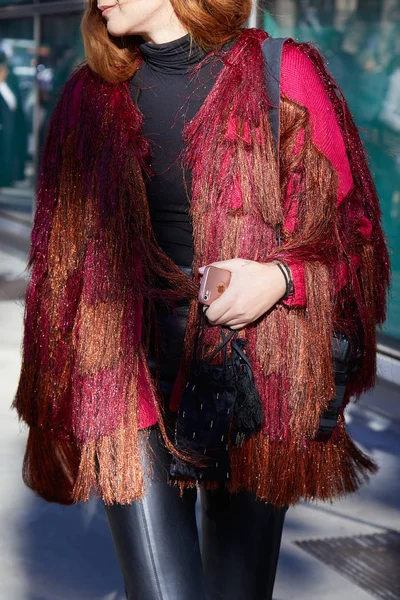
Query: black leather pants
{"x": 157, "y": 541}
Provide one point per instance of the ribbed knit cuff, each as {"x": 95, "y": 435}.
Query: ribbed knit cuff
{"x": 298, "y": 296}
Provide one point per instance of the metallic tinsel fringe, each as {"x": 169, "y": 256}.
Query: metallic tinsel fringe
{"x": 283, "y": 474}
{"x": 84, "y": 383}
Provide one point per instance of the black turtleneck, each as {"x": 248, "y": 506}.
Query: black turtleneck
{"x": 168, "y": 99}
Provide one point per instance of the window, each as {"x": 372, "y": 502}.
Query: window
{"x": 40, "y": 44}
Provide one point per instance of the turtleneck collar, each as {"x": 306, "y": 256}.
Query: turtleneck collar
{"x": 172, "y": 57}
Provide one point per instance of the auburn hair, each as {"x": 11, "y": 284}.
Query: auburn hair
{"x": 210, "y": 24}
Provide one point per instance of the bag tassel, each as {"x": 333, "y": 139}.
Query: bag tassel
{"x": 248, "y": 414}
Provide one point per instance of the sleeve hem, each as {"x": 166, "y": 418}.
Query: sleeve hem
{"x": 298, "y": 297}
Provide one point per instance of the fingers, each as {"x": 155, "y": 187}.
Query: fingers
{"x": 221, "y": 309}
{"x": 229, "y": 265}
{"x": 225, "y": 321}
{"x": 225, "y": 311}
{"x": 228, "y": 319}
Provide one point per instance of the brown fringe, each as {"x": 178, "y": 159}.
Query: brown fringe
{"x": 111, "y": 465}
{"x": 314, "y": 186}
{"x": 368, "y": 287}
{"x": 285, "y": 474}
{"x": 68, "y": 239}
{"x": 50, "y": 466}
{"x": 27, "y": 386}
{"x": 98, "y": 340}
{"x": 298, "y": 345}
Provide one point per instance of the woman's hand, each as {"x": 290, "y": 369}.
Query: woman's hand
{"x": 254, "y": 289}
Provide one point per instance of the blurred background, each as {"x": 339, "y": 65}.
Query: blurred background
{"x": 48, "y": 552}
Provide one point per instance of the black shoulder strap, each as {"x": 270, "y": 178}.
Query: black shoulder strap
{"x": 272, "y": 49}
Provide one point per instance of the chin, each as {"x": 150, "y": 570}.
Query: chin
{"x": 116, "y": 26}
{"x": 116, "y": 31}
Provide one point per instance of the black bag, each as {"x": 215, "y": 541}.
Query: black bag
{"x": 220, "y": 405}
{"x": 347, "y": 357}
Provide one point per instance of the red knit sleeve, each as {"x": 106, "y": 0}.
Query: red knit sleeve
{"x": 301, "y": 83}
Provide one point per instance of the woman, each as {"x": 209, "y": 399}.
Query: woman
{"x": 13, "y": 127}
{"x": 160, "y": 160}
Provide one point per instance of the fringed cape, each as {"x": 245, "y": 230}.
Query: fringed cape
{"x": 96, "y": 270}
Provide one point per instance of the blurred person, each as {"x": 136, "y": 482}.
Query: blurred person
{"x": 160, "y": 160}
{"x": 13, "y": 127}
{"x": 390, "y": 139}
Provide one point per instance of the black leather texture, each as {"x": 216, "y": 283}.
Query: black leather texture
{"x": 240, "y": 544}
{"x": 156, "y": 539}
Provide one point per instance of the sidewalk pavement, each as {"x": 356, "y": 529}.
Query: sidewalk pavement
{"x": 50, "y": 552}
